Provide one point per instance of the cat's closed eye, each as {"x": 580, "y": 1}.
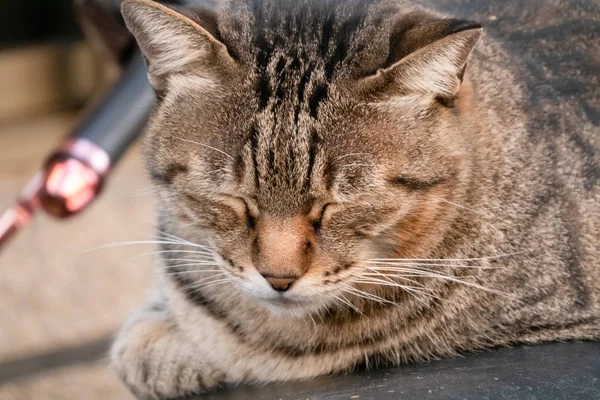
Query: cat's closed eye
{"x": 251, "y": 215}
{"x": 318, "y": 214}
{"x": 244, "y": 208}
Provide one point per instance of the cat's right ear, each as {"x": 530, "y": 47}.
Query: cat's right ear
{"x": 427, "y": 58}
{"x": 172, "y": 43}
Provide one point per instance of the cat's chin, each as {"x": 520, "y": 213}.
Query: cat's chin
{"x": 286, "y": 307}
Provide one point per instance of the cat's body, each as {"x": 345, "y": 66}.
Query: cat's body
{"x": 495, "y": 232}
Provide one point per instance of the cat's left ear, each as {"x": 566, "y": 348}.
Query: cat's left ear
{"x": 174, "y": 43}
{"x": 427, "y": 56}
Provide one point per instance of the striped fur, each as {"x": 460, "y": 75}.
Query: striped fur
{"x": 312, "y": 140}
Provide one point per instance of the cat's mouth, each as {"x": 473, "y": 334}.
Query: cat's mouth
{"x": 302, "y": 296}
{"x": 284, "y": 301}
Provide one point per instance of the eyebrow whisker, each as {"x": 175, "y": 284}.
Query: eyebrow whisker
{"x": 208, "y": 147}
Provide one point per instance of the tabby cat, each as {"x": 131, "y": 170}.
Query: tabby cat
{"x": 348, "y": 183}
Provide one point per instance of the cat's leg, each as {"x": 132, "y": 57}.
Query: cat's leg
{"x": 157, "y": 360}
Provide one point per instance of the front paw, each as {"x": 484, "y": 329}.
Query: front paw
{"x": 156, "y": 362}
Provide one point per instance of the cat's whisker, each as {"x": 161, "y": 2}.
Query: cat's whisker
{"x": 228, "y": 298}
{"x": 413, "y": 269}
{"x": 355, "y": 165}
{"x": 452, "y": 259}
{"x": 457, "y": 205}
{"x": 417, "y": 296}
{"x": 415, "y": 292}
{"x": 405, "y": 270}
{"x": 127, "y": 243}
{"x": 197, "y": 271}
{"x": 177, "y": 240}
{"x": 396, "y": 270}
{"x": 210, "y": 284}
{"x": 368, "y": 296}
{"x": 410, "y": 270}
{"x": 200, "y": 264}
{"x": 194, "y": 284}
{"x": 171, "y": 251}
{"x": 309, "y": 315}
{"x": 202, "y": 259}
{"x": 391, "y": 282}
{"x": 202, "y": 252}
{"x": 378, "y": 273}
{"x": 384, "y": 277}
{"x": 170, "y": 235}
{"x": 324, "y": 307}
{"x": 138, "y": 192}
{"x": 344, "y": 300}
{"x": 386, "y": 282}
{"x": 423, "y": 264}
{"x": 208, "y": 147}
{"x": 169, "y": 240}
{"x": 428, "y": 274}
{"x": 222, "y": 276}
{"x": 350, "y": 155}
{"x": 419, "y": 284}
{"x": 407, "y": 288}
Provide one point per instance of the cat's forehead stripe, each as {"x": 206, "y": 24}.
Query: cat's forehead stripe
{"x": 295, "y": 66}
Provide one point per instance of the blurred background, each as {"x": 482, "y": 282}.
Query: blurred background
{"x": 59, "y": 302}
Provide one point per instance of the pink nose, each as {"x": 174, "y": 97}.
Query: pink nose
{"x": 280, "y": 284}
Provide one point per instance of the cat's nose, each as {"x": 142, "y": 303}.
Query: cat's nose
{"x": 280, "y": 284}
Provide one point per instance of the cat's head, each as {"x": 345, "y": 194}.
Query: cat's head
{"x": 301, "y": 140}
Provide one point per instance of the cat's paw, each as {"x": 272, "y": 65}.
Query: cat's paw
{"x": 155, "y": 362}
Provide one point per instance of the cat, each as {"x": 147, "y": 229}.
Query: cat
{"x": 343, "y": 184}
